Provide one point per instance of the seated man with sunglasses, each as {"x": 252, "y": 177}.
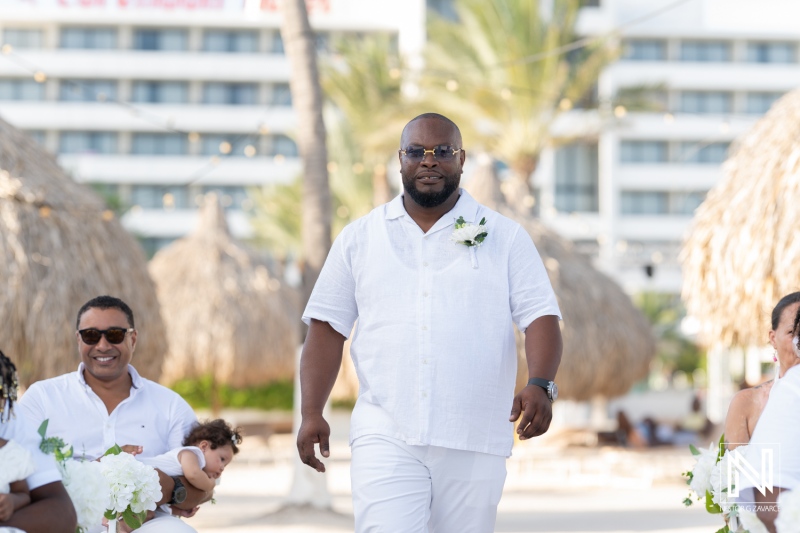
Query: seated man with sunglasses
{"x": 106, "y": 402}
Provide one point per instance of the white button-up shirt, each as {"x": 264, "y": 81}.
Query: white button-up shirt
{"x": 19, "y": 430}
{"x": 153, "y": 416}
{"x": 434, "y": 347}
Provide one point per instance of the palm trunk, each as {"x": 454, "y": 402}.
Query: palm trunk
{"x": 381, "y": 190}
{"x": 298, "y": 41}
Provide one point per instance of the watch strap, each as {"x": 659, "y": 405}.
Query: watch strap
{"x": 540, "y": 382}
{"x": 177, "y": 492}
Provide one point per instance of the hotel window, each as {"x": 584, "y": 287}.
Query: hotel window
{"x": 21, "y": 90}
{"x": 280, "y": 95}
{"x": 645, "y": 50}
{"x": 243, "y": 42}
{"x": 576, "y": 178}
{"x": 276, "y": 43}
{"x": 19, "y": 38}
{"x": 87, "y": 90}
{"x": 281, "y": 145}
{"x": 160, "y": 196}
{"x": 159, "y": 144}
{"x": 644, "y": 202}
{"x": 87, "y": 142}
{"x": 160, "y": 40}
{"x": 643, "y": 152}
{"x": 770, "y": 52}
{"x": 211, "y": 144}
{"x": 160, "y": 92}
{"x": 706, "y": 102}
{"x": 701, "y": 153}
{"x": 37, "y": 135}
{"x": 685, "y": 203}
{"x": 759, "y": 103}
{"x": 705, "y": 51}
{"x": 230, "y": 196}
{"x": 230, "y": 93}
{"x": 89, "y": 38}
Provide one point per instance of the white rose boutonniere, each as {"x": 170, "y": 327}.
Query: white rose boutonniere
{"x": 470, "y": 235}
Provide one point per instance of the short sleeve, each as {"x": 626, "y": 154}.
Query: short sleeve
{"x": 530, "y": 292}
{"x": 333, "y": 299}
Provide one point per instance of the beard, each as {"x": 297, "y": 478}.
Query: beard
{"x": 431, "y": 199}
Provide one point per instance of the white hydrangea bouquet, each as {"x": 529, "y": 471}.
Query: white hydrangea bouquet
{"x": 134, "y": 488}
{"x": 83, "y": 480}
{"x": 116, "y": 487}
{"x": 708, "y": 479}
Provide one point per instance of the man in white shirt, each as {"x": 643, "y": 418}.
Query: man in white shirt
{"x": 434, "y": 346}
{"x": 106, "y": 402}
{"x": 50, "y": 509}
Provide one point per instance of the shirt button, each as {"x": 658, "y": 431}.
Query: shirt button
{"x": 425, "y": 264}
{"x": 424, "y": 361}
{"x": 426, "y": 294}
{"x": 424, "y": 394}
{"x": 424, "y": 328}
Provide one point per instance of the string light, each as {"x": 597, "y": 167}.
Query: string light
{"x": 193, "y": 137}
{"x": 225, "y": 147}
{"x": 332, "y": 166}
{"x": 620, "y": 111}
{"x": 39, "y": 77}
{"x": 669, "y": 118}
{"x": 249, "y": 150}
{"x": 505, "y": 94}
{"x": 358, "y": 168}
{"x": 7, "y": 49}
{"x": 451, "y": 85}
{"x": 565, "y": 104}
{"x": 394, "y": 73}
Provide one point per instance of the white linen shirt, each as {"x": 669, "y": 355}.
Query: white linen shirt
{"x": 153, "y": 416}
{"x": 434, "y": 347}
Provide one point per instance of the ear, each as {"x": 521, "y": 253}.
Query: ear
{"x": 772, "y": 338}
{"x": 203, "y": 445}
{"x": 133, "y": 340}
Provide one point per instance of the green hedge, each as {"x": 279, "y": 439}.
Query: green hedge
{"x": 278, "y": 395}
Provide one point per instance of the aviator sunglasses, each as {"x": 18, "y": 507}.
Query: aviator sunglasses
{"x": 443, "y": 152}
{"x": 91, "y": 336}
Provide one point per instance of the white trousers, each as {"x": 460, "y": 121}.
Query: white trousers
{"x": 420, "y": 489}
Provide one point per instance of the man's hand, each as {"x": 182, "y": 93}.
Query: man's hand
{"x": 132, "y": 449}
{"x": 6, "y": 507}
{"x": 184, "y": 513}
{"x": 536, "y": 409}
{"x": 313, "y": 430}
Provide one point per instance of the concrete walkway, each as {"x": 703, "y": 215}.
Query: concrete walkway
{"x": 549, "y": 489}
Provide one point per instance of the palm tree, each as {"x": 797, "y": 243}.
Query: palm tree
{"x": 298, "y": 41}
{"x": 307, "y": 101}
{"x": 362, "y": 80}
{"x": 491, "y": 70}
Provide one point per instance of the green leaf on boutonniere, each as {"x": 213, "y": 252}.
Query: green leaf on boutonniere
{"x": 694, "y": 450}
{"x": 460, "y": 222}
{"x": 132, "y": 519}
{"x": 482, "y": 222}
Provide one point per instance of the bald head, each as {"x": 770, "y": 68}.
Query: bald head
{"x": 431, "y": 116}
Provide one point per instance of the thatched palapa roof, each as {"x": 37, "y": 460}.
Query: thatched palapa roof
{"x": 226, "y": 315}
{"x": 742, "y": 252}
{"x": 60, "y": 247}
{"x": 608, "y": 343}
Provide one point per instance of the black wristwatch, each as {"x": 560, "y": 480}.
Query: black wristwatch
{"x": 179, "y": 492}
{"x": 549, "y": 387}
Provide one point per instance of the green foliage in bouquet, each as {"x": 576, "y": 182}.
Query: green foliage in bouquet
{"x": 54, "y": 445}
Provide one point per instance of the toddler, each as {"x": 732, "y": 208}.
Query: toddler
{"x": 206, "y": 451}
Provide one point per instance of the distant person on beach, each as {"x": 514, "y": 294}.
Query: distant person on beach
{"x": 106, "y": 402}
{"x": 436, "y": 282}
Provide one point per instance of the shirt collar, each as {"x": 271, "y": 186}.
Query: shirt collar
{"x": 135, "y": 377}
{"x": 466, "y": 207}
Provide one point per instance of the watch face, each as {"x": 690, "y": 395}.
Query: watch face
{"x": 179, "y": 495}
{"x": 553, "y": 391}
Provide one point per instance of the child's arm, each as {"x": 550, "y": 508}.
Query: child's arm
{"x": 18, "y": 498}
{"x": 193, "y": 473}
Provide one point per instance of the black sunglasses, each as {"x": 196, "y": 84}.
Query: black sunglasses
{"x": 443, "y": 152}
{"x": 92, "y": 336}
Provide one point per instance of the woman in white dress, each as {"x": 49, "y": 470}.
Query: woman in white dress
{"x": 16, "y": 463}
